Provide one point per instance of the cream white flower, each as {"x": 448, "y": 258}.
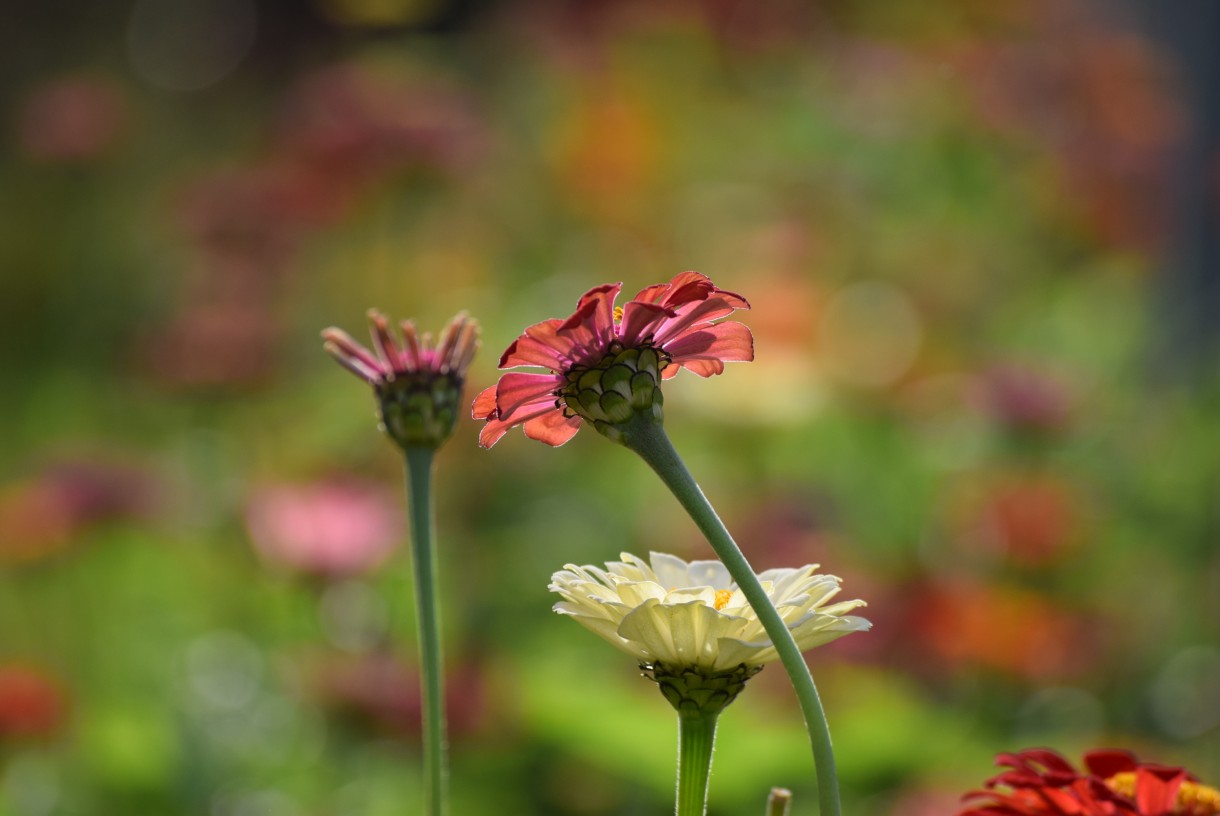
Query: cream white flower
{"x": 681, "y": 614}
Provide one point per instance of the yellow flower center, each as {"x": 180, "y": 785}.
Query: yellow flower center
{"x": 722, "y": 598}
{"x": 1193, "y": 799}
{"x": 618, "y": 314}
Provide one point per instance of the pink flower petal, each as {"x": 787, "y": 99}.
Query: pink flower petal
{"x": 517, "y": 389}
{"x": 492, "y": 432}
{"x": 694, "y": 316}
{"x": 603, "y": 316}
{"x": 687, "y": 287}
{"x": 728, "y": 342}
{"x": 530, "y": 351}
{"x": 383, "y": 342}
{"x": 692, "y": 286}
{"x": 498, "y": 424}
{"x": 553, "y": 428}
{"x": 651, "y": 294}
{"x": 640, "y": 321}
{"x": 545, "y": 333}
{"x": 484, "y": 404}
{"x": 704, "y": 368}
{"x": 591, "y": 328}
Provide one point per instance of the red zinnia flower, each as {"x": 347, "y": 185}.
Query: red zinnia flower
{"x": 1043, "y": 783}
{"x": 606, "y": 361}
{"x": 418, "y": 385}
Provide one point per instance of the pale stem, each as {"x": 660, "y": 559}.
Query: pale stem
{"x": 649, "y": 440}
{"x": 423, "y": 551}
{"x": 778, "y": 802}
{"x": 696, "y": 738}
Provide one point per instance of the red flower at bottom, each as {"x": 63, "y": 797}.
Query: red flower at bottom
{"x": 1043, "y": 783}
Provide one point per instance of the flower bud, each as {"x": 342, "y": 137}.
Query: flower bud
{"x": 695, "y": 691}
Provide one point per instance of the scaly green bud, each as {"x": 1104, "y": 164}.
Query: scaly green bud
{"x": 623, "y": 384}
{"x": 691, "y": 690}
{"x": 419, "y": 409}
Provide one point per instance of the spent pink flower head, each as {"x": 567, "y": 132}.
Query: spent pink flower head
{"x": 418, "y": 384}
{"x": 606, "y": 362}
{"x": 330, "y": 529}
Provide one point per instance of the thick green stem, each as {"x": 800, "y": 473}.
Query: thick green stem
{"x": 648, "y": 438}
{"x": 423, "y": 552}
{"x": 696, "y": 738}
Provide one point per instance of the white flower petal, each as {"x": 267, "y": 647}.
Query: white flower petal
{"x": 665, "y": 610}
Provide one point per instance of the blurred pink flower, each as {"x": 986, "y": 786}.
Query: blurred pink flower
{"x": 350, "y": 123}
{"x": 1026, "y": 398}
{"x": 32, "y": 703}
{"x": 330, "y": 529}
{"x": 72, "y": 119}
{"x": 664, "y": 328}
{"x": 40, "y": 515}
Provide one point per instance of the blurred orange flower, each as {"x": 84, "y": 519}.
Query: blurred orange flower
{"x": 1004, "y": 628}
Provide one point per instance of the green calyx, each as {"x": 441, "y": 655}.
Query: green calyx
{"x": 693, "y": 691}
{"x": 419, "y": 409}
{"x": 623, "y": 385}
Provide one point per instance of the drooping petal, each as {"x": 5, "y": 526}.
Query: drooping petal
{"x": 517, "y": 389}
{"x": 704, "y": 368}
{"x": 484, "y": 404}
{"x": 553, "y": 428}
{"x": 729, "y": 342}
{"x": 353, "y": 356}
{"x": 498, "y": 422}
{"x": 492, "y": 431}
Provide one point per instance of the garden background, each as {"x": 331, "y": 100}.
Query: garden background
{"x": 980, "y": 244}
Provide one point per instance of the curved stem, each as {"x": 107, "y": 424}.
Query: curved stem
{"x": 649, "y": 440}
{"x": 423, "y": 552}
{"x": 696, "y": 738}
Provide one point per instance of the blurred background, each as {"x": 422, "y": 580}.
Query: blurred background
{"x": 980, "y": 243}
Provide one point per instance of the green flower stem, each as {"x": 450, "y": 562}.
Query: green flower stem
{"x": 696, "y": 737}
{"x": 423, "y": 552}
{"x": 647, "y": 437}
